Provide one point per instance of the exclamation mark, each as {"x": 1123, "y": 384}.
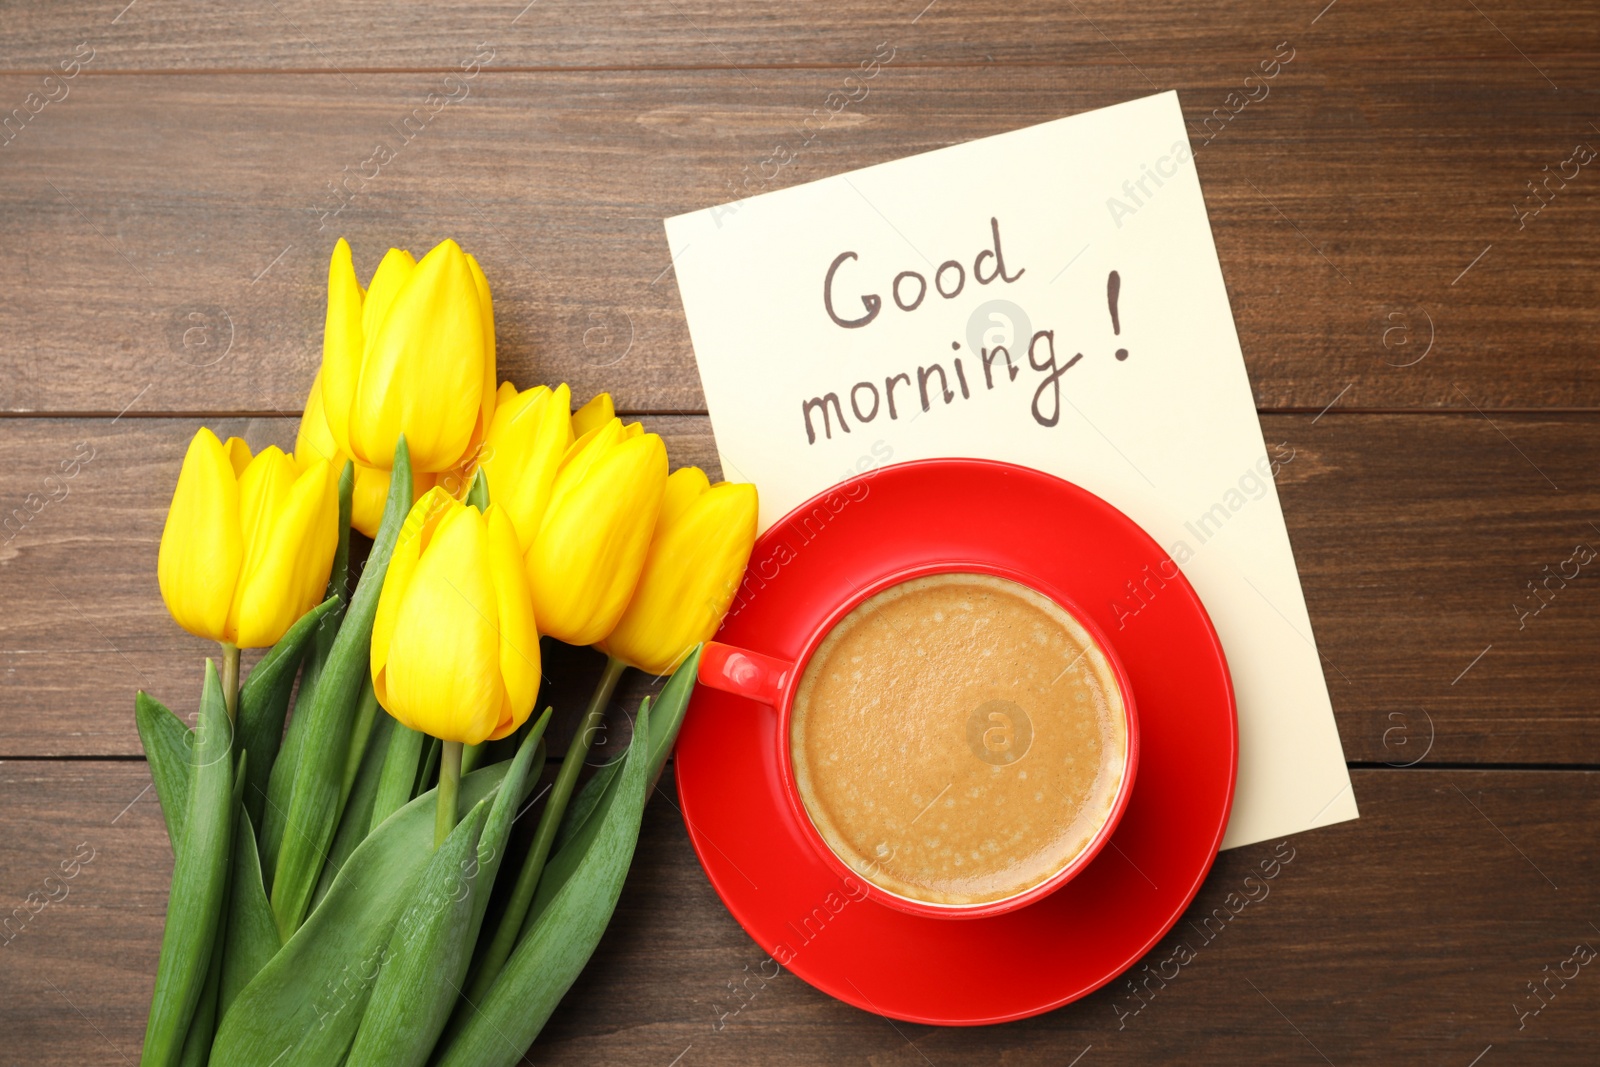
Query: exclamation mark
{"x": 1113, "y": 288}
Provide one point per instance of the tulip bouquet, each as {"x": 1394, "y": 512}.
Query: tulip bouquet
{"x": 346, "y": 890}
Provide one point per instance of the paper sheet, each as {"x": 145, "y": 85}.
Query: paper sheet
{"x": 818, "y": 313}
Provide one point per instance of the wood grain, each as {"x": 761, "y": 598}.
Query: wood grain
{"x": 170, "y": 234}
{"x": 348, "y": 36}
{"x": 1416, "y": 538}
{"x": 1424, "y": 345}
{"x": 1290, "y": 979}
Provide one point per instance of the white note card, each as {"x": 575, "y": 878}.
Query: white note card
{"x": 1080, "y": 247}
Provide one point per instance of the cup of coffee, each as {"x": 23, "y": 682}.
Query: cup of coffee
{"x": 955, "y": 736}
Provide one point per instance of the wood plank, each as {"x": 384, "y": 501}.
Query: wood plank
{"x": 1415, "y": 537}
{"x": 1364, "y": 948}
{"x": 304, "y": 35}
{"x": 171, "y": 233}
{"x": 1431, "y": 550}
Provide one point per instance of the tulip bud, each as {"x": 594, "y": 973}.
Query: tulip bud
{"x": 591, "y": 545}
{"x": 249, "y": 542}
{"x": 455, "y": 652}
{"x": 697, "y": 557}
{"x": 522, "y": 452}
{"x": 413, "y": 355}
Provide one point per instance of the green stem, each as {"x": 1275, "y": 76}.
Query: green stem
{"x": 230, "y": 679}
{"x": 444, "y": 819}
{"x": 510, "y": 929}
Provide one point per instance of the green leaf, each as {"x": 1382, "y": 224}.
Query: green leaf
{"x": 399, "y": 776}
{"x": 252, "y": 937}
{"x": 360, "y": 731}
{"x": 339, "y": 574}
{"x": 430, "y": 766}
{"x": 426, "y": 956}
{"x": 199, "y": 881}
{"x": 473, "y": 755}
{"x": 264, "y": 700}
{"x": 574, "y": 904}
{"x": 357, "y": 818}
{"x": 664, "y": 726}
{"x": 432, "y": 945}
{"x": 527, "y": 766}
{"x": 280, "y": 784}
{"x": 319, "y": 778}
{"x": 166, "y": 747}
{"x": 304, "y": 1006}
{"x": 280, "y": 781}
{"x": 197, "y": 1042}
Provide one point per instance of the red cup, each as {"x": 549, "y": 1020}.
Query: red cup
{"x": 772, "y": 681}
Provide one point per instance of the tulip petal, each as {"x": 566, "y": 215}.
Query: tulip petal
{"x": 583, "y": 453}
{"x": 289, "y": 556}
{"x": 486, "y": 308}
{"x": 596, "y": 412}
{"x": 506, "y": 393}
{"x": 238, "y": 454}
{"x": 201, "y": 546}
{"x": 684, "y": 486}
{"x": 391, "y": 276}
{"x": 523, "y": 453}
{"x": 416, "y": 533}
{"x": 262, "y": 487}
{"x": 341, "y": 344}
{"x": 402, "y": 565}
{"x": 693, "y": 570}
{"x": 423, "y": 373}
{"x": 314, "y": 440}
{"x": 519, "y": 637}
{"x": 264, "y": 490}
{"x": 443, "y": 670}
{"x": 591, "y": 546}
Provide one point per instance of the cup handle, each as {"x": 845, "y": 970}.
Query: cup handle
{"x": 744, "y": 673}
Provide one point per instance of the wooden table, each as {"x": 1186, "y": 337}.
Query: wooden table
{"x": 1419, "y": 323}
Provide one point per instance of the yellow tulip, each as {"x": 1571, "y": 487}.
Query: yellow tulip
{"x": 248, "y": 543}
{"x": 455, "y": 652}
{"x": 595, "y": 413}
{"x": 591, "y": 545}
{"x": 530, "y": 434}
{"x": 702, "y": 543}
{"x": 371, "y": 490}
{"x": 414, "y": 354}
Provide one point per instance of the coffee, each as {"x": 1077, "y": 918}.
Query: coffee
{"x": 958, "y": 739}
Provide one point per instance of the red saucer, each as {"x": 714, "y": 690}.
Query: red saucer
{"x": 966, "y": 972}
